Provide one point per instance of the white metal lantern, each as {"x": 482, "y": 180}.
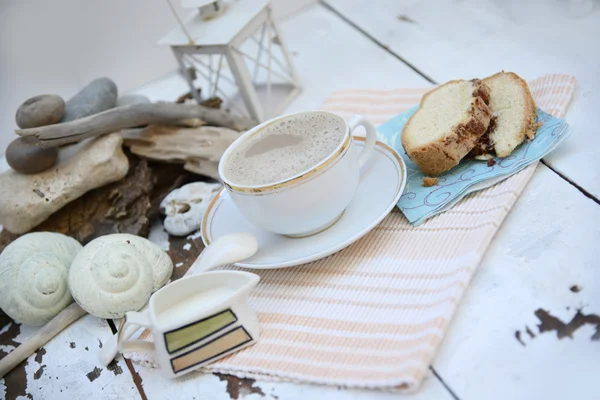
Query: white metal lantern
{"x": 234, "y": 51}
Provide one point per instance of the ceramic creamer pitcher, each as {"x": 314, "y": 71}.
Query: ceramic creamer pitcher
{"x": 195, "y": 321}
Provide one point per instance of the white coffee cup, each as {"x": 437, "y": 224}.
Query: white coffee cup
{"x": 313, "y": 200}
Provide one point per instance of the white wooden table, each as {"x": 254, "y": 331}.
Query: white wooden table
{"x": 543, "y": 257}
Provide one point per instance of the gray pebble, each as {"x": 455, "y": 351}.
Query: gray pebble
{"x": 100, "y": 95}
{"x": 45, "y": 109}
{"x": 130, "y": 99}
{"x": 28, "y": 158}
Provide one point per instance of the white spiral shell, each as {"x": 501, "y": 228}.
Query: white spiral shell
{"x": 34, "y": 271}
{"x": 117, "y": 273}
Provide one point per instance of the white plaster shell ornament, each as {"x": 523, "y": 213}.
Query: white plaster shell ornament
{"x": 34, "y": 271}
{"x": 117, "y": 273}
{"x": 185, "y": 207}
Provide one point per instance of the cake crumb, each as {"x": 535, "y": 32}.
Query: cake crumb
{"x": 428, "y": 181}
{"x": 491, "y": 162}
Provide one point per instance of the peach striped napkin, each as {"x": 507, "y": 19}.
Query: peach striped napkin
{"x": 373, "y": 315}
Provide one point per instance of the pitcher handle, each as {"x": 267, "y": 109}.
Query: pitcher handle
{"x": 359, "y": 120}
{"x": 140, "y": 320}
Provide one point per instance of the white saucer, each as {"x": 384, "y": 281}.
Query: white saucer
{"x": 382, "y": 181}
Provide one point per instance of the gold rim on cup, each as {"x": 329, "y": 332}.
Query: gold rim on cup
{"x": 328, "y": 162}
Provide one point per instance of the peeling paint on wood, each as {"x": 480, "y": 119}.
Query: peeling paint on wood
{"x": 16, "y": 380}
{"x": 406, "y": 18}
{"x": 7, "y": 336}
{"x": 38, "y": 358}
{"x": 550, "y": 323}
{"x": 53, "y": 368}
{"x": 529, "y": 332}
{"x": 518, "y": 337}
{"x": 38, "y": 374}
{"x": 115, "y": 368}
{"x": 94, "y": 374}
{"x": 240, "y": 386}
{"x": 39, "y": 355}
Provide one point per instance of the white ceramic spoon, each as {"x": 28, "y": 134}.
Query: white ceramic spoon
{"x": 225, "y": 250}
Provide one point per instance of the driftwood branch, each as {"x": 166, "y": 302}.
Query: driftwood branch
{"x": 135, "y": 115}
{"x": 176, "y": 144}
{"x": 65, "y": 318}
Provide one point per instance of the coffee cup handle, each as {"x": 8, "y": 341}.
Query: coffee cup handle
{"x": 139, "y": 320}
{"x": 359, "y": 120}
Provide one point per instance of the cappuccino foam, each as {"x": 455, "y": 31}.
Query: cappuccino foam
{"x": 284, "y": 149}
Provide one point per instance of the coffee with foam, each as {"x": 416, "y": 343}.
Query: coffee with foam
{"x": 284, "y": 149}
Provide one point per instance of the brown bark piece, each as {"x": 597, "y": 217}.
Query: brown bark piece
{"x": 121, "y": 207}
{"x": 126, "y": 206}
{"x": 6, "y": 238}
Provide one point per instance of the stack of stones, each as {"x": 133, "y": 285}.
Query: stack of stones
{"x": 48, "y": 109}
{"x": 32, "y": 190}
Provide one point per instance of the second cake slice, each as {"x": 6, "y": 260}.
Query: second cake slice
{"x": 514, "y": 116}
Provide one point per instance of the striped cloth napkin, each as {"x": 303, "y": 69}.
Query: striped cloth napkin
{"x": 374, "y": 314}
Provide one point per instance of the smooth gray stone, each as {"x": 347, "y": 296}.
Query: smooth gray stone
{"x": 28, "y": 158}
{"x": 130, "y": 99}
{"x": 45, "y": 109}
{"x": 100, "y": 95}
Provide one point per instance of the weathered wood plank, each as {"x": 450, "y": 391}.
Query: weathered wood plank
{"x": 541, "y": 259}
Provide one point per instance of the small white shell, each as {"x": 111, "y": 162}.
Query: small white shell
{"x": 33, "y": 276}
{"x": 185, "y": 207}
{"x": 117, "y": 273}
